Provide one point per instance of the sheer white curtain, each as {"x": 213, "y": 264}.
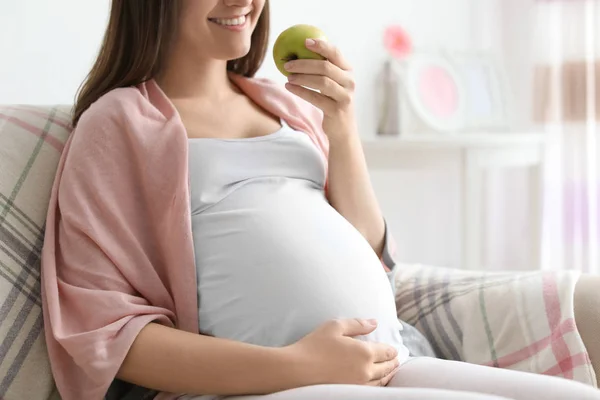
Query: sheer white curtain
{"x": 566, "y": 103}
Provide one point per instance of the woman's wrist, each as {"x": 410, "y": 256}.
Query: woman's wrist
{"x": 344, "y": 141}
{"x": 296, "y": 371}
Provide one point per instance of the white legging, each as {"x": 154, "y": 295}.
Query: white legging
{"x": 434, "y": 379}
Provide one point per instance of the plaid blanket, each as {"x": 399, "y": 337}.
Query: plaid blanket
{"x": 31, "y": 141}
{"x": 520, "y": 321}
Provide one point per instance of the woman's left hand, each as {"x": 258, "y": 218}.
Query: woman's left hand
{"x": 333, "y": 79}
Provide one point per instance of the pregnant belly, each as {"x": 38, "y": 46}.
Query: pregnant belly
{"x": 270, "y": 274}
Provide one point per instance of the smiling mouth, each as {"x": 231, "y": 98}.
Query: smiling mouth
{"x": 238, "y": 21}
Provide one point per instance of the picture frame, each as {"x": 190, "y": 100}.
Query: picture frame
{"x": 444, "y": 92}
{"x": 487, "y": 91}
{"x": 435, "y": 99}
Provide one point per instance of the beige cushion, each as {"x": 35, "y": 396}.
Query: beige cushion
{"x": 587, "y": 316}
{"x": 31, "y": 141}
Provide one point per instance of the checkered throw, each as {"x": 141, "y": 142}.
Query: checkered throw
{"x": 520, "y": 321}
{"x": 31, "y": 141}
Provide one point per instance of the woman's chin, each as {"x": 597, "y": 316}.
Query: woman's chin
{"x": 233, "y": 51}
{"x": 236, "y": 55}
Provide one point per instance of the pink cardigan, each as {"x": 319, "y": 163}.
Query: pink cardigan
{"x": 118, "y": 249}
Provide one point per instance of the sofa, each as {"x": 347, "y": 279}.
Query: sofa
{"x": 538, "y": 321}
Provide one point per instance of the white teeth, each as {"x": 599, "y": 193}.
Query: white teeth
{"x": 231, "y": 22}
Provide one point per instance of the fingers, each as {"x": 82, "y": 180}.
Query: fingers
{"x": 323, "y": 84}
{"x": 325, "y": 103}
{"x": 330, "y": 80}
{"x": 384, "y": 372}
{"x": 383, "y": 352}
{"x": 322, "y": 68}
{"x": 352, "y": 327}
{"x": 329, "y": 51}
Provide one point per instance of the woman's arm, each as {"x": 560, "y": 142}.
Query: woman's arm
{"x": 175, "y": 361}
{"x": 351, "y": 192}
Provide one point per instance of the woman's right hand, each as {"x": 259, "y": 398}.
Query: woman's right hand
{"x": 331, "y": 355}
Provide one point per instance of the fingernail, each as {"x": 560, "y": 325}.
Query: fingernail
{"x": 292, "y": 78}
{"x": 288, "y": 65}
{"x": 372, "y": 322}
{"x": 310, "y": 42}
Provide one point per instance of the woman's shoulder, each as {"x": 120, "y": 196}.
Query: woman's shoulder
{"x": 115, "y": 126}
{"x": 114, "y": 109}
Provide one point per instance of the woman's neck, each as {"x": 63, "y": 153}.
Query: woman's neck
{"x": 187, "y": 78}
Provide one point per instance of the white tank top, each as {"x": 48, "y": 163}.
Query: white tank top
{"x": 275, "y": 260}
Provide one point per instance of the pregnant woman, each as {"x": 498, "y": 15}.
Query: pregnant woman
{"x": 214, "y": 235}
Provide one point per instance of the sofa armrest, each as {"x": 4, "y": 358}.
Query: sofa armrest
{"x": 522, "y": 321}
{"x": 587, "y": 316}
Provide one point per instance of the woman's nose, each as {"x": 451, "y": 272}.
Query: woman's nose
{"x": 238, "y": 3}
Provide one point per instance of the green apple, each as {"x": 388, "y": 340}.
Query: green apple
{"x": 291, "y": 45}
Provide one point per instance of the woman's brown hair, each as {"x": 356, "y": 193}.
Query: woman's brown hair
{"x": 136, "y": 43}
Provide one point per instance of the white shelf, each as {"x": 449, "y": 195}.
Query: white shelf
{"x": 457, "y": 140}
{"x": 469, "y": 156}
